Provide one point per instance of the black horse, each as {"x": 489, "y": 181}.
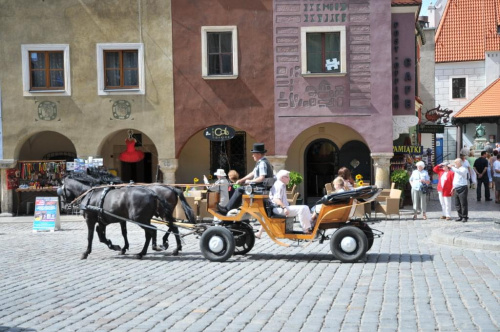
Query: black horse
{"x": 166, "y": 197}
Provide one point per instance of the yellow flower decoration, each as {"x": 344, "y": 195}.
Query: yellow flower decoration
{"x": 210, "y": 177}
{"x": 196, "y": 180}
{"x": 359, "y": 180}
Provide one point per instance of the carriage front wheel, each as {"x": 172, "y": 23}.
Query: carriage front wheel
{"x": 217, "y": 244}
{"x": 349, "y": 244}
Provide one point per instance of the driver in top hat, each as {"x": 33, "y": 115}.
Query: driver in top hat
{"x": 263, "y": 169}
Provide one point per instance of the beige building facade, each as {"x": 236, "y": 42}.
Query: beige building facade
{"x": 78, "y": 77}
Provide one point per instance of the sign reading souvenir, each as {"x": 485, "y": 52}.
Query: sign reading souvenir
{"x": 431, "y": 129}
{"x": 46, "y": 214}
{"x": 219, "y": 133}
{"x": 407, "y": 149}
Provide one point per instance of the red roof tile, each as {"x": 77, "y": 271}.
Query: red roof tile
{"x": 484, "y": 105}
{"x": 467, "y": 30}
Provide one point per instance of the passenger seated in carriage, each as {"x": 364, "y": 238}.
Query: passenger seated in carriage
{"x": 339, "y": 186}
{"x": 278, "y": 199}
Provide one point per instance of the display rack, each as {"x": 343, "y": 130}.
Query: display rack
{"x": 37, "y": 174}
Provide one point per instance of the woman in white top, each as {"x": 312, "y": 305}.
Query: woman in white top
{"x": 221, "y": 186}
{"x": 417, "y": 178}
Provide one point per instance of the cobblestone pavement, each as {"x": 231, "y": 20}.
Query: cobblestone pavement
{"x": 407, "y": 282}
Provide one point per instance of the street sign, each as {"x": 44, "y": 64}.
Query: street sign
{"x": 219, "y": 133}
{"x": 407, "y": 149}
{"x": 430, "y": 129}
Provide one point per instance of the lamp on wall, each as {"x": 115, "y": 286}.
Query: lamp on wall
{"x": 131, "y": 155}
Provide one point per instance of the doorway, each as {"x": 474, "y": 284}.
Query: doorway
{"x": 139, "y": 172}
{"x": 321, "y": 164}
{"x": 355, "y": 155}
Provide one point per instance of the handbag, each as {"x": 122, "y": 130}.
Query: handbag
{"x": 424, "y": 188}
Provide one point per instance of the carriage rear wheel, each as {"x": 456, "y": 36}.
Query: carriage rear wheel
{"x": 217, "y": 244}
{"x": 244, "y": 238}
{"x": 349, "y": 244}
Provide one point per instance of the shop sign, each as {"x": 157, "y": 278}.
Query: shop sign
{"x": 46, "y": 214}
{"x": 219, "y": 133}
{"x": 431, "y": 129}
{"x": 407, "y": 149}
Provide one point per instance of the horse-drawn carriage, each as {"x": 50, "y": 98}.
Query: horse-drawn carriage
{"x": 226, "y": 235}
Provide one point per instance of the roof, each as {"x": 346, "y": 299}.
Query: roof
{"x": 406, "y": 2}
{"x": 467, "y": 30}
{"x": 484, "y": 105}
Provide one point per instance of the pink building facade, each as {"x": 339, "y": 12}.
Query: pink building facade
{"x": 344, "y": 86}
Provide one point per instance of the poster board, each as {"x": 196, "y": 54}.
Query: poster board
{"x": 47, "y": 216}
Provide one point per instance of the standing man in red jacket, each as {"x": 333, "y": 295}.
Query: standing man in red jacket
{"x": 444, "y": 188}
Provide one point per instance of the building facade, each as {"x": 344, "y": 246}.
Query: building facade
{"x": 324, "y": 84}
{"x": 77, "y": 76}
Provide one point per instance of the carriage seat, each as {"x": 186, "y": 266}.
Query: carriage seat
{"x": 361, "y": 194}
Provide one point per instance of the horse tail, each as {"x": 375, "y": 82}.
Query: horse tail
{"x": 188, "y": 211}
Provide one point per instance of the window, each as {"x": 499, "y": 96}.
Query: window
{"x": 46, "y": 69}
{"x": 120, "y": 69}
{"x": 323, "y": 50}
{"x": 219, "y": 52}
{"x": 458, "y": 88}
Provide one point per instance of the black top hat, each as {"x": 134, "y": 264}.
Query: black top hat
{"x": 258, "y": 148}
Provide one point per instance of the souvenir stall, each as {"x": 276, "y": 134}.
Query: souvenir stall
{"x": 32, "y": 178}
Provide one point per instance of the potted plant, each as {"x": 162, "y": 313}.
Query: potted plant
{"x": 295, "y": 180}
{"x": 400, "y": 177}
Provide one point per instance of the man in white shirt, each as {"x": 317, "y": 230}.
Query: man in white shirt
{"x": 460, "y": 189}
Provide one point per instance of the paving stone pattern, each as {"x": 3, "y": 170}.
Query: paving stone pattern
{"x": 406, "y": 283}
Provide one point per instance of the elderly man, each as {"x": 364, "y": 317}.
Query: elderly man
{"x": 263, "y": 170}
{"x": 277, "y": 196}
{"x": 460, "y": 189}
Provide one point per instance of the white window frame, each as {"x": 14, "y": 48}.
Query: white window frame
{"x": 466, "y": 87}
{"x": 204, "y": 51}
{"x": 25, "y": 50}
{"x": 100, "y": 48}
{"x": 343, "y": 46}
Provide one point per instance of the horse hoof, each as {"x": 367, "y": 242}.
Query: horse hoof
{"x": 138, "y": 256}
{"x": 165, "y": 246}
{"x": 122, "y": 252}
{"x": 175, "y": 252}
{"x": 84, "y": 256}
{"x": 116, "y": 248}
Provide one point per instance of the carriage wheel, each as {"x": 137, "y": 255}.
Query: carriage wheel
{"x": 369, "y": 235}
{"x": 349, "y": 244}
{"x": 217, "y": 244}
{"x": 244, "y": 238}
